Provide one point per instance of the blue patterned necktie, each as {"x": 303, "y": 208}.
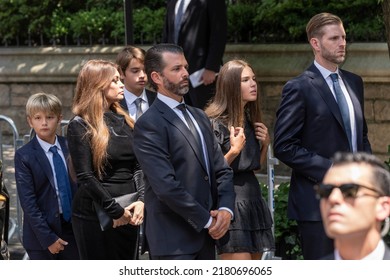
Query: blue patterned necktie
{"x": 62, "y": 183}
{"x": 178, "y": 18}
{"x": 343, "y": 105}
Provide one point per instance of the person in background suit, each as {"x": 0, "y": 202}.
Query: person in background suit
{"x": 200, "y": 28}
{"x": 132, "y": 71}
{"x": 47, "y": 231}
{"x": 310, "y": 126}
{"x": 189, "y": 193}
{"x": 355, "y": 200}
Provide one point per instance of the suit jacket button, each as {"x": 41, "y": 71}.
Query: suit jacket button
{"x": 206, "y": 178}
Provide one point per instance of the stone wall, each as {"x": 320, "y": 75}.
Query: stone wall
{"x": 24, "y": 71}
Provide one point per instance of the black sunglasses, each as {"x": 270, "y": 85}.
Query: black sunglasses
{"x": 348, "y": 190}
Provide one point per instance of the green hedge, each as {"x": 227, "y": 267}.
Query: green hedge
{"x": 285, "y": 231}
{"x": 71, "y": 22}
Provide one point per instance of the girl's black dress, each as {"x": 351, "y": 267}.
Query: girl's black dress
{"x": 251, "y": 229}
{"x": 121, "y": 172}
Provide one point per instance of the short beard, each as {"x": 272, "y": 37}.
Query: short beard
{"x": 333, "y": 58}
{"x": 176, "y": 89}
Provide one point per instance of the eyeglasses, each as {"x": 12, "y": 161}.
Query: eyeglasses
{"x": 348, "y": 190}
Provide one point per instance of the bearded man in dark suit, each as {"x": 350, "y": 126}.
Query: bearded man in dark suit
{"x": 189, "y": 193}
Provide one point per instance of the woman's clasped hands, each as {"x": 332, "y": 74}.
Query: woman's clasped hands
{"x": 133, "y": 214}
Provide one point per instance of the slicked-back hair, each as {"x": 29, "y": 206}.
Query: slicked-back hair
{"x": 380, "y": 173}
{"x": 314, "y": 28}
{"x": 154, "y": 61}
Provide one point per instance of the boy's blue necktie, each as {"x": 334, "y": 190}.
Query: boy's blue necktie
{"x": 62, "y": 184}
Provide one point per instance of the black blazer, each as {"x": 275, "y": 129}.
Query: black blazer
{"x": 309, "y": 130}
{"x": 202, "y": 36}
{"x": 36, "y": 190}
{"x": 150, "y": 95}
{"x": 178, "y": 187}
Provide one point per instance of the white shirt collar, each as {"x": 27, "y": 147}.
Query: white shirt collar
{"x": 131, "y": 97}
{"x": 377, "y": 254}
{"x": 324, "y": 72}
{"x": 170, "y": 102}
{"x": 46, "y": 146}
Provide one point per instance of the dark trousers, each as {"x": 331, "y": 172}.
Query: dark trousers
{"x": 70, "y": 251}
{"x": 207, "y": 252}
{"x": 314, "y": 242}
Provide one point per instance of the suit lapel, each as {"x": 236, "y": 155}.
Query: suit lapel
{"x": 64, "y": 147}
{"x": 65, "y": 151}
{"x": 356, "y": 108}
{"x": 204, "y": 124}
{"x": 171, "y": 117}
{"x": 43, "y": 161}
{"x": 151, "y": 96}
{"x": 323, "y": 90}
{"x": 191, "y": 6}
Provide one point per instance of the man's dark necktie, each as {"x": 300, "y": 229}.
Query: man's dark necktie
{"x": 183, "y": 108}
{"x": 138, "y": 105}
{"x": 62, "y": 183}
{"x": 191, "y": 126}
{"x": 178, "y": 18}
{"x": 343, "y": 105}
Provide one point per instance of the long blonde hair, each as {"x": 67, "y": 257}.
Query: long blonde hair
{"x": 89, "y": 103}
{"x": 227, "y": 104}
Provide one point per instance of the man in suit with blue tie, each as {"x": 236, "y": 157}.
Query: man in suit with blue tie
{"x": 131, "y": 65}
{"x": 44, "y": 186}
{"x": 321, "y": 112}
{"x": 189, "y": 193}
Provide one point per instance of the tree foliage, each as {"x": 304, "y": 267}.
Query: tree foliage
{"x": 386, "y": 17}
{"x": 75, "y": 22}
{"x": 285, "y": 21}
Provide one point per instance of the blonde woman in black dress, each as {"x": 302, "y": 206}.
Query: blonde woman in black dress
{"x": 236, "y": 118}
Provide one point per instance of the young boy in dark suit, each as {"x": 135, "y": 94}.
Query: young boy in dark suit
{"x": 43, "y": 183}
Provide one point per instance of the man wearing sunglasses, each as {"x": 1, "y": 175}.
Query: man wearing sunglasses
{"x": 355, "y": 202}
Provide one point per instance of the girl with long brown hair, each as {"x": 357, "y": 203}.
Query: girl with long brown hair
{"x": 236, "y": 117}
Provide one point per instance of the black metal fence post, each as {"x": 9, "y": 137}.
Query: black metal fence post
{"x": 128, "y": 17}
